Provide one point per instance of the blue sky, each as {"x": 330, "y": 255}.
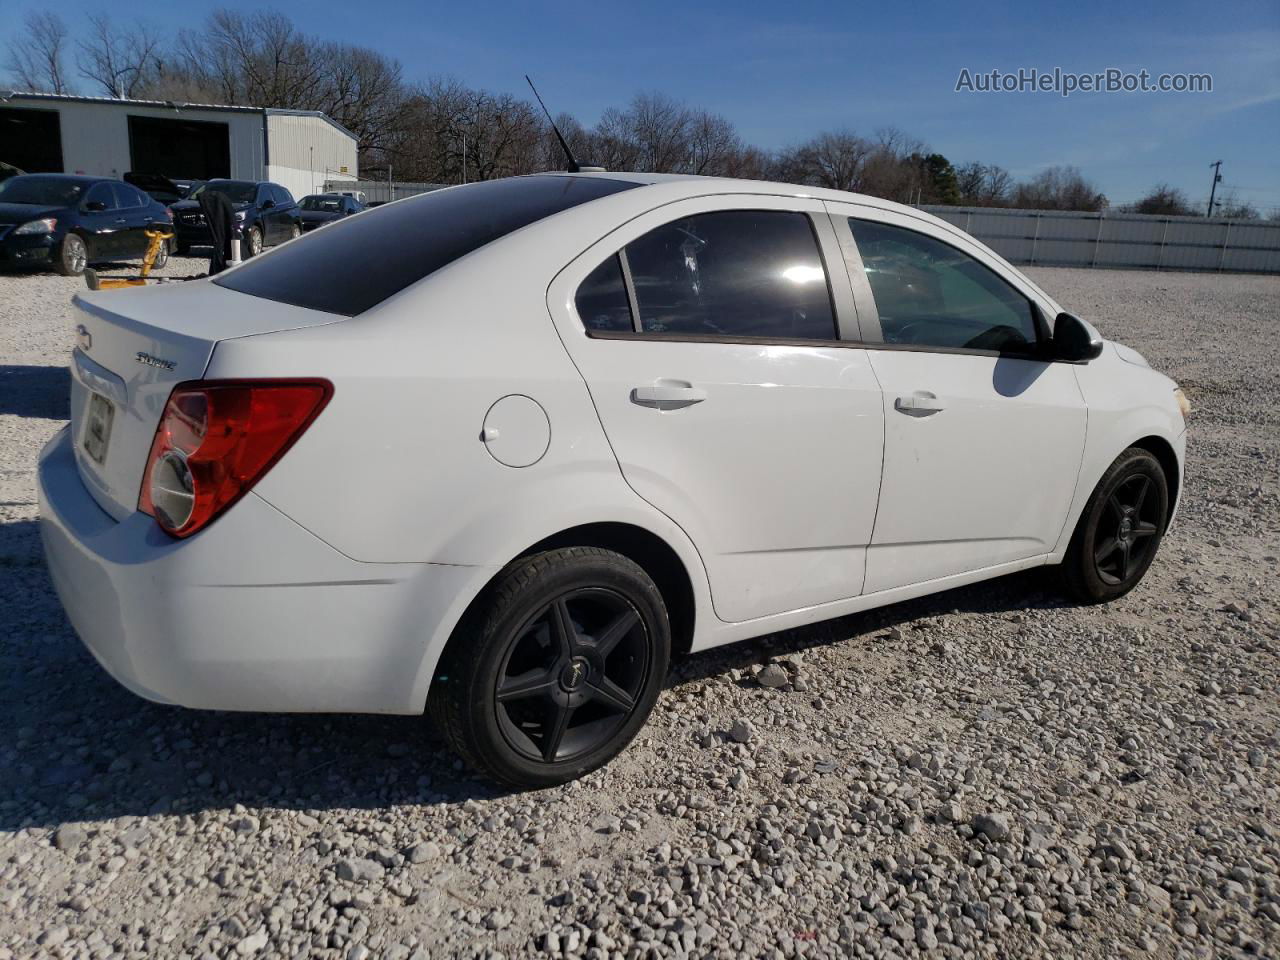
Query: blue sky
{"x": 784, "y": 71}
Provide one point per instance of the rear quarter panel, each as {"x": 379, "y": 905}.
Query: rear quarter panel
{"x": 396, "y": 469}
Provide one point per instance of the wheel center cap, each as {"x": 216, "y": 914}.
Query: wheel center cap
{"x": 1126, "y": 528}
{"x": 574, "y": 673}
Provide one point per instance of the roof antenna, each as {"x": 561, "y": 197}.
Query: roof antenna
{"x": 573, "y": 164}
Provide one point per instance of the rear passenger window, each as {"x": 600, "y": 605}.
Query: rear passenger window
{"x": 602, "y": 299}
{"x": 738, "y": 273}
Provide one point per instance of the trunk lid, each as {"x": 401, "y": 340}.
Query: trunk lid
{"x": 132, "y": 348}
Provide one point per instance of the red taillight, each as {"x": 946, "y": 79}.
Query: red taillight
{"x": 216, "y": 439}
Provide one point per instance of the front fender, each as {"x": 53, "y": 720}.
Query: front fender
{"x": 1126, "y": 404}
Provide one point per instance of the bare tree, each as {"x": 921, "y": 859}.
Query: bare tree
{"x": 984, "y": 185}
{"x": 1059, "y": 188}
{"x": 837, "y": 160}
{"x": 1234, "y": 208}
{"x": 120, "y": 61}
{"x": 713, "y": 144}
{"x": 1165, "y": 200}
{"x": 35, "y": 57}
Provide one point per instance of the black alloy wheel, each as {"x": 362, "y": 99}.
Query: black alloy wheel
{"x": 555, "y": 668}
{"x": 1119, "y": 530}
{"x": 572, "y": 675}
{"x": 1126, "y": 531}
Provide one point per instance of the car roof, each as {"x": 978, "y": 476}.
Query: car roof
{"x": 74, "y": 177}
{"x": 678, "y": 185}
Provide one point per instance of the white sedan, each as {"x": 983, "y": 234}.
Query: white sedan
{"x": 501, "y": 450}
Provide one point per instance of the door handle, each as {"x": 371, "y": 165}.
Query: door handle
{"x": 668, "y": 395}
{"x": 919, "y": 404}
{"x": 121, "y": 220}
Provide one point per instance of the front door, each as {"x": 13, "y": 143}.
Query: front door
{"x": 983, "y": 439}
{"x": 710, "y": 344}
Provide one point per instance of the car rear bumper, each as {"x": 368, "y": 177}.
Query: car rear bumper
{"x": 254, "y": 613}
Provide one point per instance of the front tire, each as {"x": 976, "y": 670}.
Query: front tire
{"x": 556, "y": 669}
{"x": 1120, "y": 529}
{"x": 252, "y": 243}
{"x": 73, "y": 256}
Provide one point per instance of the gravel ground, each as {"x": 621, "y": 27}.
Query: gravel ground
{"x": 988, "y": 772}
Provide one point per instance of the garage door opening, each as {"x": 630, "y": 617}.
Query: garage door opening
{"x": 186, "y": 149}
{"x": 31, "y": 140}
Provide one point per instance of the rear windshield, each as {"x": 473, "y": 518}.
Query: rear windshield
{"x": 358, "y": 262}
{"x": 237, "y": 191}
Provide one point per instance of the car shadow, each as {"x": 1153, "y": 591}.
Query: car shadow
{"x": 31, "y": 391}
{"x": 80, "y": 748}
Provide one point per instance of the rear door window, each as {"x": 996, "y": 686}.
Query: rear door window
{"x": 602, "y": 299}
{"x": 398, "y": 244}
{"x": 756, "y": 274}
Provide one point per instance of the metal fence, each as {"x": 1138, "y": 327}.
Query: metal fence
{"x": 1130, "y": 240}
{"x": 381, "y": 191}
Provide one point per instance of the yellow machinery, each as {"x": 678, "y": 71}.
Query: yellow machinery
{"x": 155, "y": 237}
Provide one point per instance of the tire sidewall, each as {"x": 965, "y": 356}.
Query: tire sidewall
{"x": 612, "y": 572}
{"x": 64, "y": 265}
{"x": 249, "y": 250}
{"x": 1130, "y": 464}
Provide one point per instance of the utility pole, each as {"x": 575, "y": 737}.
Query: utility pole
{"x": 1217, "y": 178}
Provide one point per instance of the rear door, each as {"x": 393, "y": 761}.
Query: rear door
{"x": 709, "y": 335}
{"x": 282, "y": 213}
{"x": 983, "y": 437}
{"x": 136, "y": 210}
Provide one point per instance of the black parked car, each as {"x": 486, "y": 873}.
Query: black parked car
{"x": 321, "y": 208}
{"x": 265, "y": 215}
{"x": 66, "y": 222}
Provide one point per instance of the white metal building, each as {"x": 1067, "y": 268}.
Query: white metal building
{"x": 299, "y": 149}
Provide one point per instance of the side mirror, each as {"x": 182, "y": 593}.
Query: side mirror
{"x": 95, "y": 206}
{"x": 268, "y": 203}
{"x": 1074, "y": 341}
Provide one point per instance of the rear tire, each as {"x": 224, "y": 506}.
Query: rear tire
{"x": 556, "y": 668}
{"x": 1119, "y": 531}
{"x": 72, "y": 256}
{"x": 162, "y": 256}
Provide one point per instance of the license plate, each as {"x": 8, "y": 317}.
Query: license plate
{"x": 97, "y": 427}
